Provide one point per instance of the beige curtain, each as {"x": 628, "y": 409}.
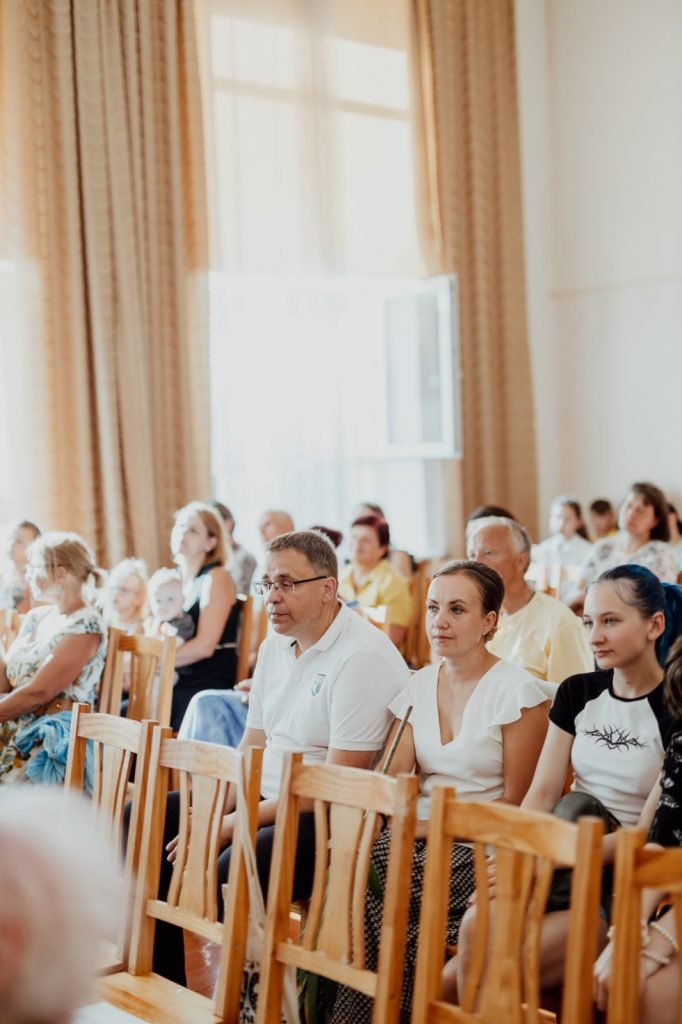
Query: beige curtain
{"x": 104, "y": 227}
{"x": 472, "y": 226}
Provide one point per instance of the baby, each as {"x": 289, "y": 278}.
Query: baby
{"x": 165, "y": 600}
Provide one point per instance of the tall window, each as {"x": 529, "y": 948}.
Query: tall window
{"x": 315, "y": 242}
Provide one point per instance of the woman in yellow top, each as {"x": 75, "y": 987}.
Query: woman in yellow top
{"x": 371, "y": 581}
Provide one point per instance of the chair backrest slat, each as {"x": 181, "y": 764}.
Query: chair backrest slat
{"x": 149, "y": 665}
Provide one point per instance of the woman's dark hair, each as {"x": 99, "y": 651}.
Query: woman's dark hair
{"x": 378, "y": 524}
{"x": 574, "y": 504}
{"x": 488, "y": 583}
{"x": 335, "y": 536}
{"x": 671, "y": 508}
{"x": 654, "y": 496}
{"x": 638, "y": 587}
{"x": 673, "y": 679}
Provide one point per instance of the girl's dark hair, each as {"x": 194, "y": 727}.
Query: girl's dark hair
{"x": 488, "y": 583}
{"x": 638, "y": 587}
{"x": 673, "y": 678}
{"x": 654, "y": 496}
{"x": 575, "y": 505}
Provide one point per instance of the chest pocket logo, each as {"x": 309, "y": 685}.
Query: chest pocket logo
{"x": 317, "y": 684}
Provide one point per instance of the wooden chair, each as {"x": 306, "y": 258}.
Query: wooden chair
{"x": 637, "y": 868}
{"x": 10, "y": 624}
{"x": 244, "y": 641}
{"x": 120, "y": 753}
{"x": 503, "y": 980}
{"x": 150, "y": 663}
{"x": 346, "y": 802}
{"x": 206, "y": 771}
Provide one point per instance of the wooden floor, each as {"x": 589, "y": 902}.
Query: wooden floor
{"x": 201, "y": 963}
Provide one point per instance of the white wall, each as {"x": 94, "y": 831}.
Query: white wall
{"x": 600, "y": 86}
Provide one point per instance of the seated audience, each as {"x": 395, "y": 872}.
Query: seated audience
{"x": 56, "y": 660}
{"x": 536, "y": 631}
{"x": 322, "y": 685}
{"x": 642, "y": 540}
{"x": 478, "y": 724}
{"x": 370, "y": 580}
{"x": 209, "y": 658}
{"x": 126, "y": 596}
{"x": 14, "y": 586}
{"x": 675, "y": 527}
{"x": 568, "y": 544}
{"x": 602, "y": 518}
{"x": 242, "y": 563}
{"x": 403, "y": 561}
{"x": 660, "y": 964}
{"x": 59, "y": 899}
{"x": 610, "y": 727}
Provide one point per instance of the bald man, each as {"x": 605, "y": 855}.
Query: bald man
{"x": 273, "y": 523}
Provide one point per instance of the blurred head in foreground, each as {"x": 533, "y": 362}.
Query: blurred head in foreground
{"x": 59, "y": 896}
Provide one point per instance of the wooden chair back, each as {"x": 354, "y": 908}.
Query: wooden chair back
{"x": 638, "y": 868}
{"x": 244, "y": 640}
{"x": 120, "y": 755}
{"x": 10, "y": 624}
{"x": 503, "y": 980}
{"x": 206, "y": 772}
{"x": 346, "y": 803}
{"x": 150, "y": 665}
{"x": 416, "y": 626}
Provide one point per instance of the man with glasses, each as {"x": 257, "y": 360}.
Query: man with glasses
{"x": 322, "y": 685}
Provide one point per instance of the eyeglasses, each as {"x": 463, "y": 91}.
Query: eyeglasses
{"x": 262, "y": 587}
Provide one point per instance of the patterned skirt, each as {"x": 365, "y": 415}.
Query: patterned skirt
{"x": 350, "y": 1005}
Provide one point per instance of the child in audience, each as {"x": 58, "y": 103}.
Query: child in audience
{"x": 602, "y": 518}
{"x": 611, "y": 728}
{"x": 15, "y": 592}
{"x": 568, "y": 544}
{"x": 168, "y": 616}
{"x": 126, "y": 596}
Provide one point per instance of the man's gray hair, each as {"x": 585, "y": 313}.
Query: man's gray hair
{"x": 518, "y": 533}
{"x": 317, "y": 548}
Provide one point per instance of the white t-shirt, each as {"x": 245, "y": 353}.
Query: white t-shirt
{"x": 336, "y": 694}
{"x": 474, "y": 761}
{"x": 557, "y": 550}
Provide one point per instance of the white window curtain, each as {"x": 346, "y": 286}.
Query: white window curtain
{"x": 309, "y": 136}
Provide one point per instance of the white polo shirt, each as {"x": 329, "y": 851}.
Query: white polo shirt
{"x": 336, "y": 694}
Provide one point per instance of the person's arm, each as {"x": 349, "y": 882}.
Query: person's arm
{"x": 522, "y": 743}
{"x": 218, "y": 595}
{"x": 552, "y": 770}
{"x": 4, "y": 681}
{"x": 60, "y": 668}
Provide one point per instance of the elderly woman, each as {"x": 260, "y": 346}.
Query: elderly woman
{"x": 478, "y": 724}
{"x": 209, "y": 658}
{"x": 56, "y": 660}
{"x": 371, "y": 581}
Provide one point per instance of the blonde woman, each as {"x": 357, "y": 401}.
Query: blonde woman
{"x": 56, "y": 660}
{"x": 209, "y": 658}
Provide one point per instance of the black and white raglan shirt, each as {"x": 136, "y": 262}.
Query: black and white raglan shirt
{"x": 619, "y": 744}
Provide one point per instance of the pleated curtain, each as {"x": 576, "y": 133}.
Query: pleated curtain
{"x": 465, "y": 63}
{"x": 104, "y": 223}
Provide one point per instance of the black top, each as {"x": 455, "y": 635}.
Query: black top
{"x": 218, "y": 670}
{"x": 666, "y": 828}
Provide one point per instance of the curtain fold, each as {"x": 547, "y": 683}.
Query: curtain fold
{"x": 104, "y": 219}
{"x": 472, "y": 225}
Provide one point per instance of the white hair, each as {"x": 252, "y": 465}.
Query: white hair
{"x": 60, "y": 895}
{"x": 518, "y": 533}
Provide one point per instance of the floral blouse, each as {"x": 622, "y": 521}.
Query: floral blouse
{"x": 610, "y": 551}
{"x": 29, "y": 652}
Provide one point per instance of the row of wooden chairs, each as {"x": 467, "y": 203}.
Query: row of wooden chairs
{"x": 503, "y": 983}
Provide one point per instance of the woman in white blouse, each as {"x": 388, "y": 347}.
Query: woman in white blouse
{"x": 477, "y": 723}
